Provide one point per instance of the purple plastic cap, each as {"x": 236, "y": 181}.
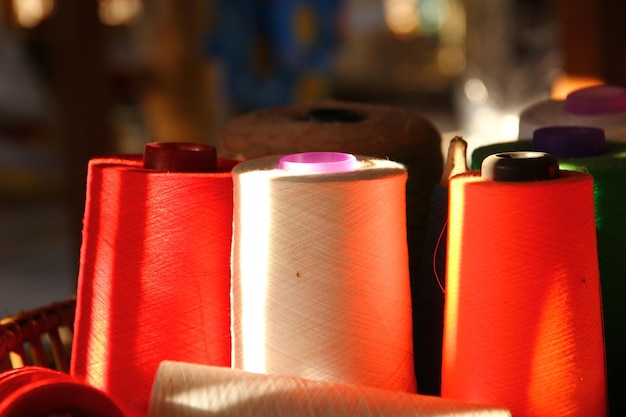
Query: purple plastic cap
{"x": 317, "y": 162}
{"x": 570, "y": 141}
{"x": 179, "y": 157}
{"x": 596, "y": 100}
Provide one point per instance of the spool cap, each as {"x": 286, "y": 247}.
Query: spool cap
{"x": 570, "y": 141}
{"x": 518, "y": 166}
{"x": 596, "y": 100}
{"x": 317, "y": 162}
{"x": 180, "y": 157}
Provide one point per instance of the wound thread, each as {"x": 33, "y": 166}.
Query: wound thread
{"x": 320, "y": 284}
{"x": 523, "y": 306}
{"x": 154, "y": 275}
{"x": 183, "y": 389}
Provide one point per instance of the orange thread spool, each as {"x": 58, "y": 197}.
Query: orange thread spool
{"x": 523, "y": 325}
{"x": 154, "y": 278}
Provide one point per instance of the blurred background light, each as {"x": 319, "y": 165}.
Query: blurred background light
{"x": 120, "y": 12}
{"x": 29, "y": 13}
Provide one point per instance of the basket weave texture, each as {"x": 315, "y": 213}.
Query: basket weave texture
{"x": 40, "y": 337}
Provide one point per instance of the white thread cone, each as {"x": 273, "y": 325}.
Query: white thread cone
{"x": 189, "y": 390}
{"x": 552, "y": 113}
{"x": 320, "y": 280}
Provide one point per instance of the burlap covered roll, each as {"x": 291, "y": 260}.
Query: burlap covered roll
{"x": 382, "y": 131}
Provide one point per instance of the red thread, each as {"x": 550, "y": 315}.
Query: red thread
{"x": 434, "y": 260}
{"x": 154, "y": 279}
{"x": 37, "y": 392}
{"x": 523, "y": 325}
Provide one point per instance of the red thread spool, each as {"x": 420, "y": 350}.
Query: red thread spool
{"x": 523, "y": 325}
{"x": 154, "y": 279}
{"x": 39, "y": 392}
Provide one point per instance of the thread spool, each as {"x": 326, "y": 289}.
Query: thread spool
{"x": 183, "y": 389}
{"x": 154, "y": 270}
{"x": 386, "y": 132}
{"x": 567, "y": 143}
{"x": 320, "y": 285}
{"x": 431, "y": 290}
{"x": 601, "y": 106}
{"x": 608, "y": 170}
{"x": 37, "y": 392}
{"x": 523, "y": 307}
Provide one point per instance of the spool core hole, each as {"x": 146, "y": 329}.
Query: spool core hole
{"x": 332, "y": 115}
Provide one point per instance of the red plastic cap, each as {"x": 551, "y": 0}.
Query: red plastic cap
{"x": 180, "y": 157}
{"x": 596, "y": 100}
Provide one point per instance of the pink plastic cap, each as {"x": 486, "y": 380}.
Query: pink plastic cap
{"x": 317, "y": 162}
{"x": 596, "y": 100}
{"x": 179, "y": 157}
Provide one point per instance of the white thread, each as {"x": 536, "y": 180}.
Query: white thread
{"x": 552, "y": 113}
{"x": 320, "y": 274}
{"x": 187, "y": 390}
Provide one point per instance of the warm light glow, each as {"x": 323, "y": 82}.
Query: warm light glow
{"x": 97, "y": 356}
{"x": 485, "y": 118}
{"x": 16, "y": 360}
{"x": 476, "y": 91}
{"x": 402, "y": 17}
{"x": 509, "y": 125}
{"x": 452, "y": 23}
{"x": 451, "y": 60}
{"x": 120, "y": 12}
{"x": 451, "y": 282}
{"x": 489, "y": 125}
{"x": 234, "y": 392}
{"x": 255, "y": 218}
{"x": 29, "y": 13}
{"x": 566, "y": 84}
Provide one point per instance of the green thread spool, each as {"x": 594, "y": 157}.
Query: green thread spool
{"x": 609, "y": 173}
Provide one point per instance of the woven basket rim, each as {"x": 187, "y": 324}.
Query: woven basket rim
{"x": 20, "y": 327}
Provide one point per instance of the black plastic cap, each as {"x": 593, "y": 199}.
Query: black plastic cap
{"x": 520, "y": 166}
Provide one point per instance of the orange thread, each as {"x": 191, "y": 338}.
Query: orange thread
{"x": 523, "y": 325}
{"x": 154, "y": 277}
